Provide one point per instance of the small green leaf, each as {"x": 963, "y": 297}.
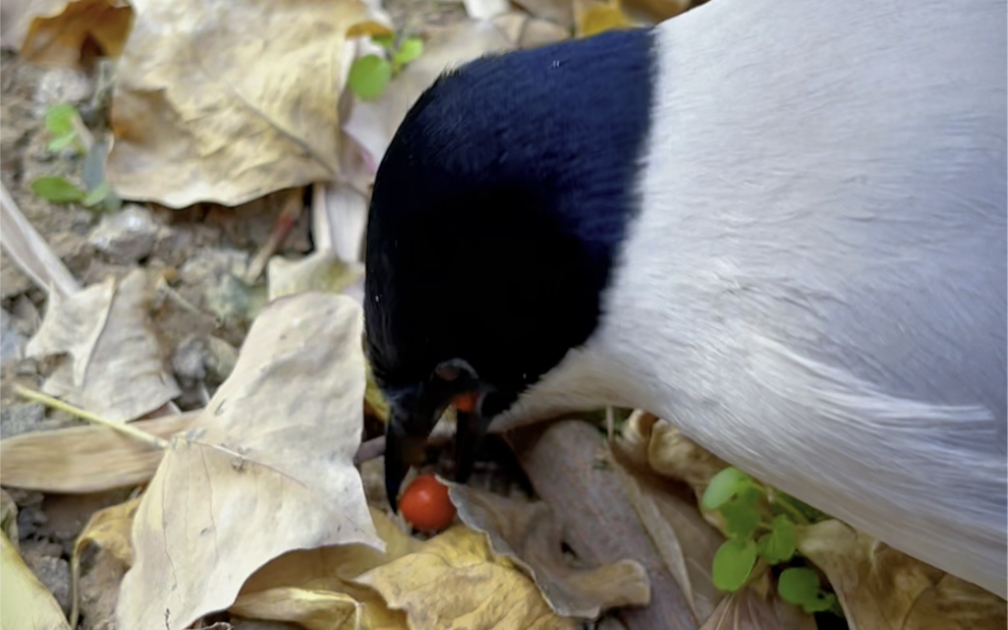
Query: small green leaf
{"x": 779, "y": 545}
{"x": 387, "y": 41}
{"x": 800, "y": 586}
{"x": 733, "y": 563}
{"x": 57, "y": 190}
{"x": 59, "y": 119}
{"x": 97, "y": 195}
{"x": 410, "y": 50}
{"x": 741, "y": 517}
{"x": 723, "y": 486}
{"x": 61, "y": 142}
{"x": 368, "y": 76}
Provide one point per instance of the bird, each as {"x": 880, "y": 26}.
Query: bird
{"x": 779, "y": 225}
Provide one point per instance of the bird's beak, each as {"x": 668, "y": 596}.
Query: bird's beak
{"x": 402, "y": 451}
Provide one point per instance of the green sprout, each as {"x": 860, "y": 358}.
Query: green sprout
{"x": 761, "y": 524}
{"x": 370, "y": 74}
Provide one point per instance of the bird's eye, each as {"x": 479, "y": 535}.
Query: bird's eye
{"x": 450, "y": 371}
{"x": 447, "y": 372}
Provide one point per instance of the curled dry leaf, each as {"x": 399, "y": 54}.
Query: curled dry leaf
{"x": 85, "y": 459}
{"x": 530, "y": 535}
{"x": 314, "y": 587}
{"x": 30, "y": 251}
{"x": 267, "y": 467}
{"x": 108, "y": 529}
{"x": 754, "y": 609}
{"x": 53, "y": 32}
{"x": 26, "y": 602}
{"x": 684, "y": 541}
{"x": 456, "y": 582}
{"x": 881, "y": 588}
{"x": 322, "y": 270}
{"x": 373, "y": 123}
{"x": 116, "y": 369}
{"x": 235, "y": 100}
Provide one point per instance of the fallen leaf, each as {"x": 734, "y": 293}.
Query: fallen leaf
{"x": 530, "y": 535}
{"x": 235, "y": 100}
{"x": 53, "y": 32}
{"x": 881, "y": 588}
{"x": 30, "y": 251}
{"x": 525, "y": 31}
{"x": 749, "y": 609}
{"x": 8, "y": 519}
{"x": 560, "y": 12}
{"x": 322, "y": 271}
{"x": 455, "y": 582}
{"x": 314, "y": 588}
{"x": 108, "y": 529}
{"x": 85, "y": 459}
{"x": 655, "y": 444}
{"x": 592, "y": 17}
{"x": 106, "y": 331}
{"x": 485, "y": 9}
{"x": 685, "y": 541}
{"x": 373, "y": 123}
{"x": 26, "y": 602}
{"x": 267, "y": 467}
{"x": 659, "y": 10}
{"x": 339, "y": 217}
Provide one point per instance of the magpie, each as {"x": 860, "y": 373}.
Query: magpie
{"x": 778, "y": 224}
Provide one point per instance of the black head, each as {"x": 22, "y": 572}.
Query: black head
{"x": 496, "y": 216}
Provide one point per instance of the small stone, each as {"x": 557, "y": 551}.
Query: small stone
{"x": 12, "y": 342}
{"x": 61, "y": 85}
{"x": 190, "y": 359}
{"x": 126, "y": 236}
{"x": 20, "y": 418}
{"x": 43, "y": 558}
{"x": 220, "y": 360}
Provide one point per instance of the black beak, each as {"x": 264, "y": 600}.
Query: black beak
{"x": 402, "y": 451}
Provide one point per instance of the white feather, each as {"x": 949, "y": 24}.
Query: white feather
{"x": 815, "y": 288}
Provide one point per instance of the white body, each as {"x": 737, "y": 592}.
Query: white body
{"x": 815, "y": 289}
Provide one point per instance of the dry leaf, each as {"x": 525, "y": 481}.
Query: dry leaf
{"x": 267, "y": 467}
{"x": 339, "y": 217}
{"x": 85, "y": 459}
{"x": 109, "y": 529}
{"x": 116, "y": 369}
{"x": 30, "y": 251}
{"x": 455, "y": 582}
{"x": 749, "y": 610}
{"x": 321, "y": 271}
{"x": 485, "y": 9}
{"x": 531, "y": 536}
{"x": 659, "y": 10}
{"x": 881, "y": 588}
{"x": 8, "y": 519}
{"x": 560, "y": 12}
{"x": 592, "y": 17}
{"x": 24, "y": 601}
{"x": 685, "y": 542}
{"x": 53, "y": 32}
{"x": 313, "y": 587}
{"x": 524, "y": 31}
{"x": 373, "y": 123}
{"x": 235, "y": 100}
{"x": 655, "y": 444}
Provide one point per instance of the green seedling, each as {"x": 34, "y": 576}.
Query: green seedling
{"x": 370, "y": 74}
{"x": 760, "y": 524}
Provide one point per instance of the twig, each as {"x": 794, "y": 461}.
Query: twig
{"x": 126, "y": 429}
{"x": 293, "y": 206}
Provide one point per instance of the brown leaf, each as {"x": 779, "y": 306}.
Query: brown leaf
{"x": 85, "y": 459}
{"x": 881, "y": 588}
{"x": 267, "y": 467}
{"x": 26, "y": 602}
{"x": 53, "y": 33}
{"x": 531, "y": 536}
{"x": 592, "y": 17}
{"x": 749, "y": 610}
{"x": 313, "y": 587}
{"x": 106, "y": 331}
{"x": 235, "y": 100}
{"x": 455, "y": 582}
{"x": 108, "y": 529}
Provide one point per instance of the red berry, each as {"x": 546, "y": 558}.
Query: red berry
{"x": 425, "y": 504}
